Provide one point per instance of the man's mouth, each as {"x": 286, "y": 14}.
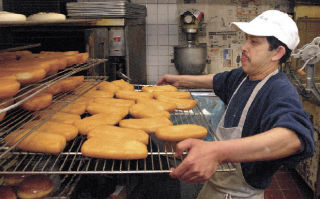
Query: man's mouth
{"x": 244, "y": 57}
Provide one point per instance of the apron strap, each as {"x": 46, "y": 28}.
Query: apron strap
{"x": 224, "y": 114}
{"x": 252, "y": 97}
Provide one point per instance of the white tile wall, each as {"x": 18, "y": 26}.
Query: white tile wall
{"x": 162, "y": 35}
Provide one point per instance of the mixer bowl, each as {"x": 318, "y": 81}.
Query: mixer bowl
{"x": 190, "y": 60}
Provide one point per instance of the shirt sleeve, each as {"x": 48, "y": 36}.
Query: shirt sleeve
{"x": 285, "y": 110}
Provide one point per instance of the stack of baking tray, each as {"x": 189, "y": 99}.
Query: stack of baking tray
{"x": 106, "y": 9}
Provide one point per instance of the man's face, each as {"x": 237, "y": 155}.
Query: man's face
{"x": 256, "y": 57}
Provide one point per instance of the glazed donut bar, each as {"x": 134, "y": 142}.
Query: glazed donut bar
{"x": 180, "y": 132}
{"x": 113, "y": 148}
{"x": 26, "y": 67}
{"x": 149, "y": 125}
{"x": 37, "y": 141}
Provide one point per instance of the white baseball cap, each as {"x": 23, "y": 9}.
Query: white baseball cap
{"x": 273, "y": 23}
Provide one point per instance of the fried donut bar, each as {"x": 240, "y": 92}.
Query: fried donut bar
{"x": 132, "y": 95}
{"x": 35, "y": 186}
{"x": 95, "y": 108}
{"x": 149, "y": 125}
{"x": 180, "y": 132}
{"x": 112, "y": 148}
{"x": 37, "y": 141}
{"x": 147, "y": 111}
{"x": 65, "y": 118}
{"x": 150, "y": 89}
{"x": 106, "y": 131}
{"x": 86, "y": 124}
{"x": 123, "y": 85}
{"x": 176, "y": 94}
{"x": 182, "y": 104}
{"x": 107, "y": 86}
{"x": 38, "y": 102}
{"x": 25, "y": 76}
{"x": 8, "y": 88}
{"x": 77, "y": 108}
{"x": 163, "y": 106}
{"x": 114, "y": 102}
{"x": 66, "y": 130}
{"x": 98, "y": 93}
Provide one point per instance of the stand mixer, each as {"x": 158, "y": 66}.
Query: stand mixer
{"x": 190, "y": 58}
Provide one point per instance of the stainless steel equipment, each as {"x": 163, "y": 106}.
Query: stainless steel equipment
{"x": 190, "y": 58}
{"x": 310, "y": 54}
{"x": 121, "y": 41}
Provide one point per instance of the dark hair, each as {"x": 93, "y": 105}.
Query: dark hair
{"x": 274, "y": 43}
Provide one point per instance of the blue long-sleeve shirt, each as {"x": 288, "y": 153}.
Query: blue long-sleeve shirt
{"x": 277, "y": 104}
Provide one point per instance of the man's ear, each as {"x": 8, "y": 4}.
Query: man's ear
{"x": 278, "y": 53}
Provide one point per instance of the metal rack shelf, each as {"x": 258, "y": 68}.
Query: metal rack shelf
{"x": 31, "y": 90}
{"x": 70, "y": 161}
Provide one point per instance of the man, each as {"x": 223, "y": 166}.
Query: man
{"x": 264, "y": 126}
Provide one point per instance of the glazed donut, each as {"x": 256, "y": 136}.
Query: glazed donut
{"x": 47, "y": 17}
{"x": 14, "y": 179}
{"x": 7, "y": 192}
{"x": 149, "y": 125}
{"x": 180, "y": 132}
{"x": 38, "y": 102}
{"x": 88, "y": 123}
{"x": 8, "y": 88}
{"x": 150, "y": 89}
{"x": 11, "y": 17}
{"x": 106, "y": 131}
{"x": 37, "y": 186}
{"x": 147, "y": 111}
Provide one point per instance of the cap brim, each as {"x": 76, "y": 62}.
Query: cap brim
{"x": 254, "y": 29}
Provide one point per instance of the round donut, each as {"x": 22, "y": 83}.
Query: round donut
{"x": 11, "y": 17}
{"x": 47, "y": 16}
{"x": 7, "y": 192}
{"x": 37, "y": 186}
{"x": 14, "y": 179}
{"x": 8, "y": 88}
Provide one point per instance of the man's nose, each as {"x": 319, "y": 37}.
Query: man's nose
{"x": 244, "y": 46}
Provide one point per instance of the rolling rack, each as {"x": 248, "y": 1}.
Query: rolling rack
{"x": 70, "y": 163}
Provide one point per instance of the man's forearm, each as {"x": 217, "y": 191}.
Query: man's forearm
{"x": 196, "y": 81}
{"x": 274, "y": 144}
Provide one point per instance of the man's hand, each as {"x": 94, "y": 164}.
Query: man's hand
{"x": 169, "y": 79}
{"x": 200, "y": 163}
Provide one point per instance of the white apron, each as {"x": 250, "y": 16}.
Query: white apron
{"x": 231, "y": 184}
